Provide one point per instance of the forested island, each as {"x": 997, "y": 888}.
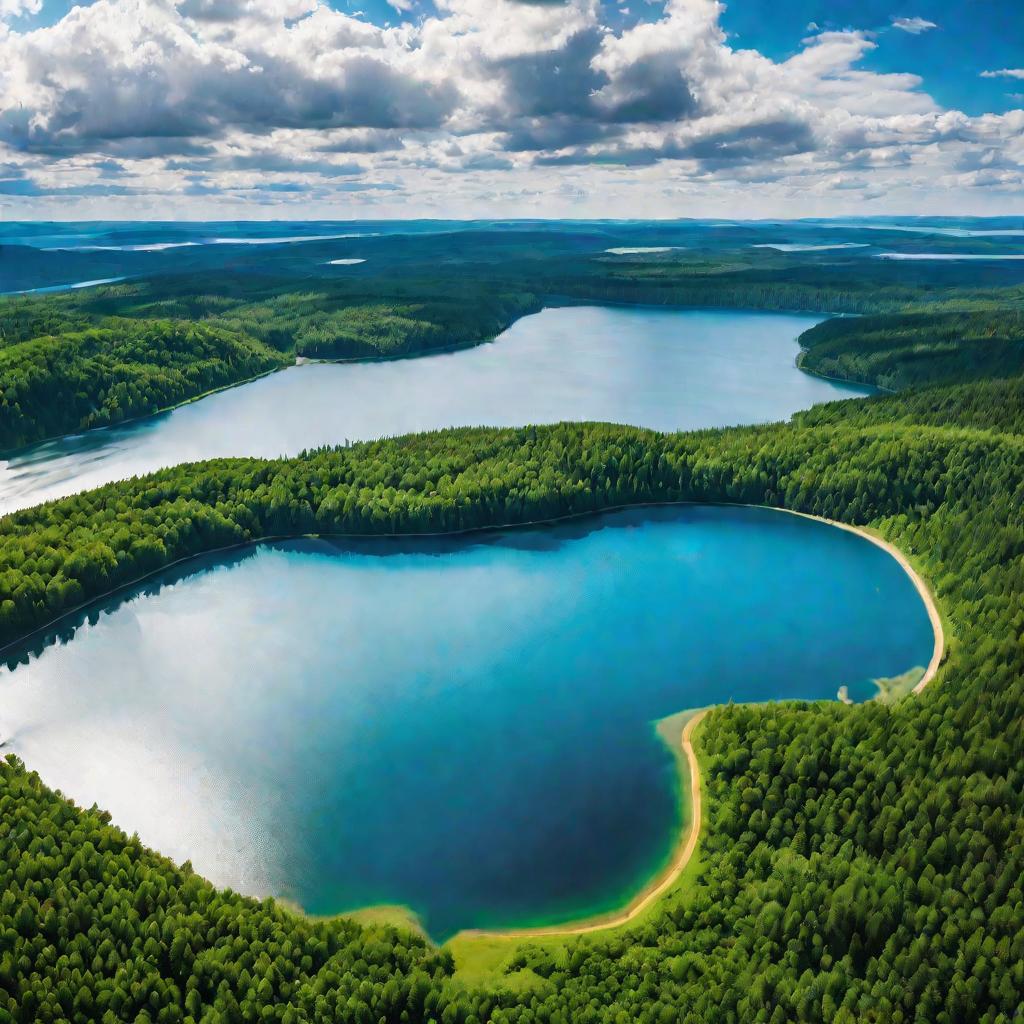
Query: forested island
{"x": 857, "y": 863}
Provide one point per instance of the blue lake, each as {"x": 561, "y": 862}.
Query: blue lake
{"x": 462, "y": 725}
{"x": 661, "y": 368}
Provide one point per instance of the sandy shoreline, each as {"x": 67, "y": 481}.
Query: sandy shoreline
{"x": 939, "y": 644}
{"x": 679, "y": 862}
{"x": 686, "y": 851}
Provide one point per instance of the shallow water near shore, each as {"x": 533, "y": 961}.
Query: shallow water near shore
{"x": 668, "y": 369}
{"x": 462, "y": 725}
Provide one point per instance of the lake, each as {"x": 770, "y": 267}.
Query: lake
{"x": 660, "y": 368}
{"x": 463, "y": 725}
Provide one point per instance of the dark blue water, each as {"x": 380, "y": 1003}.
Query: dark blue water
{"x": 460, "y": 725}
{"x": 662, "y": 368}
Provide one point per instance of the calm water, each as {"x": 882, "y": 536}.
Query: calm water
{"x": 667, "y": 369}
{"x": 949, "y": 256}
{"x": 460, "y": 725}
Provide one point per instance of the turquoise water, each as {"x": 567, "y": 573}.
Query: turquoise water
{"x": 661, "y": 368}
{"x": 462, "y": 725}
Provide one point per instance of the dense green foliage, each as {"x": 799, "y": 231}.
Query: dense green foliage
{"x": 98, "y": 928}
{"x": 404, "y": 329}
{"x": 739, "y": 280}
{"x": 860, "y": 863}
{"x": 71, "y": 362}
{"x": 328, "y": 319}
{"x": 90, "y": 378}
{"x": 917, "y": 348}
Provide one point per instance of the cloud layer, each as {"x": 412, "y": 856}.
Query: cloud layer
{"x": 488, "y": 106}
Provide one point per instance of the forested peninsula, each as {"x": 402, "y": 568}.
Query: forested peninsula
{"x": 903, "y": 350}
{"x": 68, "y": 364}
{"x": 858, "y": 862}
{"x": 99, "y": 376}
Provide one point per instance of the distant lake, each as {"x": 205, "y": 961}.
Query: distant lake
{"x": 800, "y": 247}
{"x": 660, "y": 368}
{"x": 68, "y": 287}
{"x": 462, "y": 725}
{"x": 949, "y": 256}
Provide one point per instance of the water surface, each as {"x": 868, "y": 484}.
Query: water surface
{"x": 950, "y": 256}
{"x": 800, "y": 247}
{"x": 666, "y": 369}
{"x": 75, "y": 286}
{"x": 463, "y": 725}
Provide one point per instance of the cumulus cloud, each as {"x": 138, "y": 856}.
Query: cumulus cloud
{"x": 1004, "y": 73}
{"x": 124, "y": 69}
{"x": 16, "y": 8}
{"x": 915, "y": 26}
{"x": 291, "y": 98}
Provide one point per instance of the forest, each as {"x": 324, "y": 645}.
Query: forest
{"x": 859, "y": 863}
{"x": 902, "y": 350}
{"x": 59, "y": 384}
{"x": 68, "y": 363}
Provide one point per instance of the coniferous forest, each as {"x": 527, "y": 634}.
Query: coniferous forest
{"x": 858, "y": 863}
{"x": 859, "y": 860}
{"x": 511, "y": 512}
{"x": 116, "y": 352}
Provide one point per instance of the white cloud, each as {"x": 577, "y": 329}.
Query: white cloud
{"x": 291, "y": 101}
{"x": 123, "y": 69}
{"x": 16, "y": 8}
{"x": 915, "y": 26}
{"x": 1004, "y": 73}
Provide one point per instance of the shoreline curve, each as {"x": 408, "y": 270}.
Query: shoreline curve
{"x": 656, "y": 888}
{"x": 6, "y": 454}
{"x": 679, "y": 863}
{"x": 922, "y": 588}
{"x": 684, "y": 852}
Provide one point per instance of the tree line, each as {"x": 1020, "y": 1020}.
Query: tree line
{"x": 910, "y": 349}
{"x": 64, "y": 383}
{"x": 442, "y": 299}
{"x": 68, "y": 363}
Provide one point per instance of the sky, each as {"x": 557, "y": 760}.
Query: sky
{"x": 302, "y": 109}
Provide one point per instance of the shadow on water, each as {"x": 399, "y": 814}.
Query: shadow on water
{"x": 458, "y": 723}
{"x": 539, "y": 538}
{"x": 96, "y": 439}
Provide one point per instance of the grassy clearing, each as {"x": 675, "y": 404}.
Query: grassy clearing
{"x": 382, "y": 915}
{"x": 894, "y": 688}
{"x": 392, "y": 915}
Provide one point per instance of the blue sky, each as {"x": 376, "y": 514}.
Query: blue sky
{"x": 970, "y": 36}
{"x": 505, "y": 107}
